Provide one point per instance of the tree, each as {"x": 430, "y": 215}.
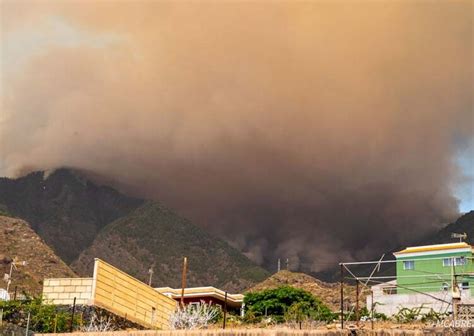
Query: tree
{"x": 277, "y": 302}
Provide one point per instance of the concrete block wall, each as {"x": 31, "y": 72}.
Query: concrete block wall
{"x": 63, "y": 291}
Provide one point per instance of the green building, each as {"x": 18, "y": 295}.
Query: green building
{"x": 435, "y": 268}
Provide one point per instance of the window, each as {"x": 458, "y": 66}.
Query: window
{"x": 458, "y": 261}
{"x": 409, "y": 265}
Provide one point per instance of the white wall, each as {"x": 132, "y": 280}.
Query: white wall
{"x": 391, "y": 304}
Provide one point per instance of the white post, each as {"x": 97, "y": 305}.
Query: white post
{"x": 27, "y": 324}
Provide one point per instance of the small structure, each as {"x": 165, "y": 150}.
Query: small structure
{"x": 211, "y": 295}
{"x": 429, "y": 276}
{"x": 115, "y": 291}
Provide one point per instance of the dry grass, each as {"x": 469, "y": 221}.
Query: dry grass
{"x": 275, "y": 332}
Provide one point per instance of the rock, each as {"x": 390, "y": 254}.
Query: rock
{"x": 5, "y": 259}
{"x": 9, "y": 230}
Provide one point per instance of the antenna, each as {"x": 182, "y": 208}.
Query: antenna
{"x": 461, "y": 236}
{"x": 150, "y": 271}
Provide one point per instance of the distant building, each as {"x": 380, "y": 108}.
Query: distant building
{"x": 431, "y": 268}
{"x": 427, "y": 275}
{"x": 212, "y": 295}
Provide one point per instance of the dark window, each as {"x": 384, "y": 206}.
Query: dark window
{"x": 409, "y": 265}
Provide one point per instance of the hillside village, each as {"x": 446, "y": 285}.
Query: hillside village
{"x": 117, "y": 264}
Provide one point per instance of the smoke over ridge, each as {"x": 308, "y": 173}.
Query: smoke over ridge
{"x": 315, "y": 131}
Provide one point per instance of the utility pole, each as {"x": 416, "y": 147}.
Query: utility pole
{"x": 342, "y": 296}
{"x": 71, "y": 327}
{"x": 357, "y": 302}
{"x": 287, "y": 264}
{"x": 279, "y": 265}
{"x": 225, "y": 311}
{"x": 371, "y": 309}
{"x": 183, "y": 280}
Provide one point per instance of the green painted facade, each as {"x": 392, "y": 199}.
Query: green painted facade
{"x": 431, "y": 274}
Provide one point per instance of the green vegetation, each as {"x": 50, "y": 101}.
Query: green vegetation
{"x": 365, "y": 314}
{"x": 44, "y": 318}
{"x": 285, "y": 304}
{"x": 407, "y": 315}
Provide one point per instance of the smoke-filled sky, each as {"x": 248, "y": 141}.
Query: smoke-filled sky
{"x": 317, "y": 131}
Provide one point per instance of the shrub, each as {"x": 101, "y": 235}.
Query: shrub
{"x": 44, "y": 318}
{"x": 406, "y": 315}
{"x": 365, "y": 314}
{"x": 194, "y": 316}
{"x": 285, "y": 303}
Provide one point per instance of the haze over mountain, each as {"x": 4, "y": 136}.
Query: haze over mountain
{"x": 82, "y": 221}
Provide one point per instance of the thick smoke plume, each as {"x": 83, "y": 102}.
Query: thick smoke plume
{"x": 317, "y": 131}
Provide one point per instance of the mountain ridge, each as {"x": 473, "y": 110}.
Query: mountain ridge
{"x": 21, "y": 243}
{"x": 77, "y": 218}
{"x": 64, "y": 208}
{"x": 136, "y": 242}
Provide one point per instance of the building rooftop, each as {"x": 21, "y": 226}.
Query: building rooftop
{"x": 196, "y": 292}
{"x": 434, "y": 248}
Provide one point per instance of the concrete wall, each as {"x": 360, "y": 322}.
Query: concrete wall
{"x": 63, "y": 291}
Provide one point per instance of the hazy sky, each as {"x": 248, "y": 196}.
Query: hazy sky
{"x": 318, "y": 131}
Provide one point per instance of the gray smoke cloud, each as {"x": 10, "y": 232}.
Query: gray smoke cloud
{"x": 315, "y": 131}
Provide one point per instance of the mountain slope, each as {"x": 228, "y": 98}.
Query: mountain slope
{"x": 19, "y": 242}
{"x": 154, "y": 235}
{"x": 465, "y": 223}
{"x": 65, "y": 209}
